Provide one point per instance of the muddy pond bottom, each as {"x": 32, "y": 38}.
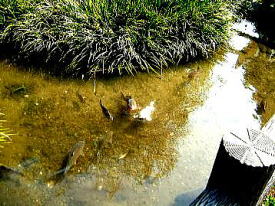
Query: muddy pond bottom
{"x": 163, "y": 161}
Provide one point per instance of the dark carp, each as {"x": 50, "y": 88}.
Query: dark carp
{"x": 106, "y": 112}
{"x": 72, "y": 157}
{"x": 68, "y": 162}
{"x": 131, "y": 103}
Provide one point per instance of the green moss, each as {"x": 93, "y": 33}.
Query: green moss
{"x": 38, "y": 107}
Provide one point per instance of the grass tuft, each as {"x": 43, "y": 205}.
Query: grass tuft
{"x": 5, "y": 133}
{"x": 76, "y": 37}
{"x": 11, "y": 10}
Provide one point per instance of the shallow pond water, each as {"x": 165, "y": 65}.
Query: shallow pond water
{"x": 166, "y": 161}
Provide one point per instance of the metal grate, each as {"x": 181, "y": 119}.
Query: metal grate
{"x": 255, "y": 148}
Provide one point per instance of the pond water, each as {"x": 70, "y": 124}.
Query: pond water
{"x": 165, "y": 161}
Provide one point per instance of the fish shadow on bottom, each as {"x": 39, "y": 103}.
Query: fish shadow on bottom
{"x": 187, "y": 198}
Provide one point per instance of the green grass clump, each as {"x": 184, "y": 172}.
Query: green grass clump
{"x": 76, "y": 37}
{"x": 11, "y": 10}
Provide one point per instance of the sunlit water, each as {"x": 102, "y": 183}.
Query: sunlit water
{"x": 228, "y": 107}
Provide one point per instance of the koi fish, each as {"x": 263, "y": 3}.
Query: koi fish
{"x": 80, "y": 97}
{"x": 131, "y": 103}
{"x": 106, "y": 112}
{"x": 72, "y": 156}
{"x": 67, "y": 164}
{"x": 146, "y": 113}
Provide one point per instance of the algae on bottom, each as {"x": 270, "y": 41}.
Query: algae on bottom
{"x": 50, "y": 118}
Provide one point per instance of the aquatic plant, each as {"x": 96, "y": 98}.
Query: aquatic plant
{"x": 119, "y": 36}
{"x": 5, "y": 133}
